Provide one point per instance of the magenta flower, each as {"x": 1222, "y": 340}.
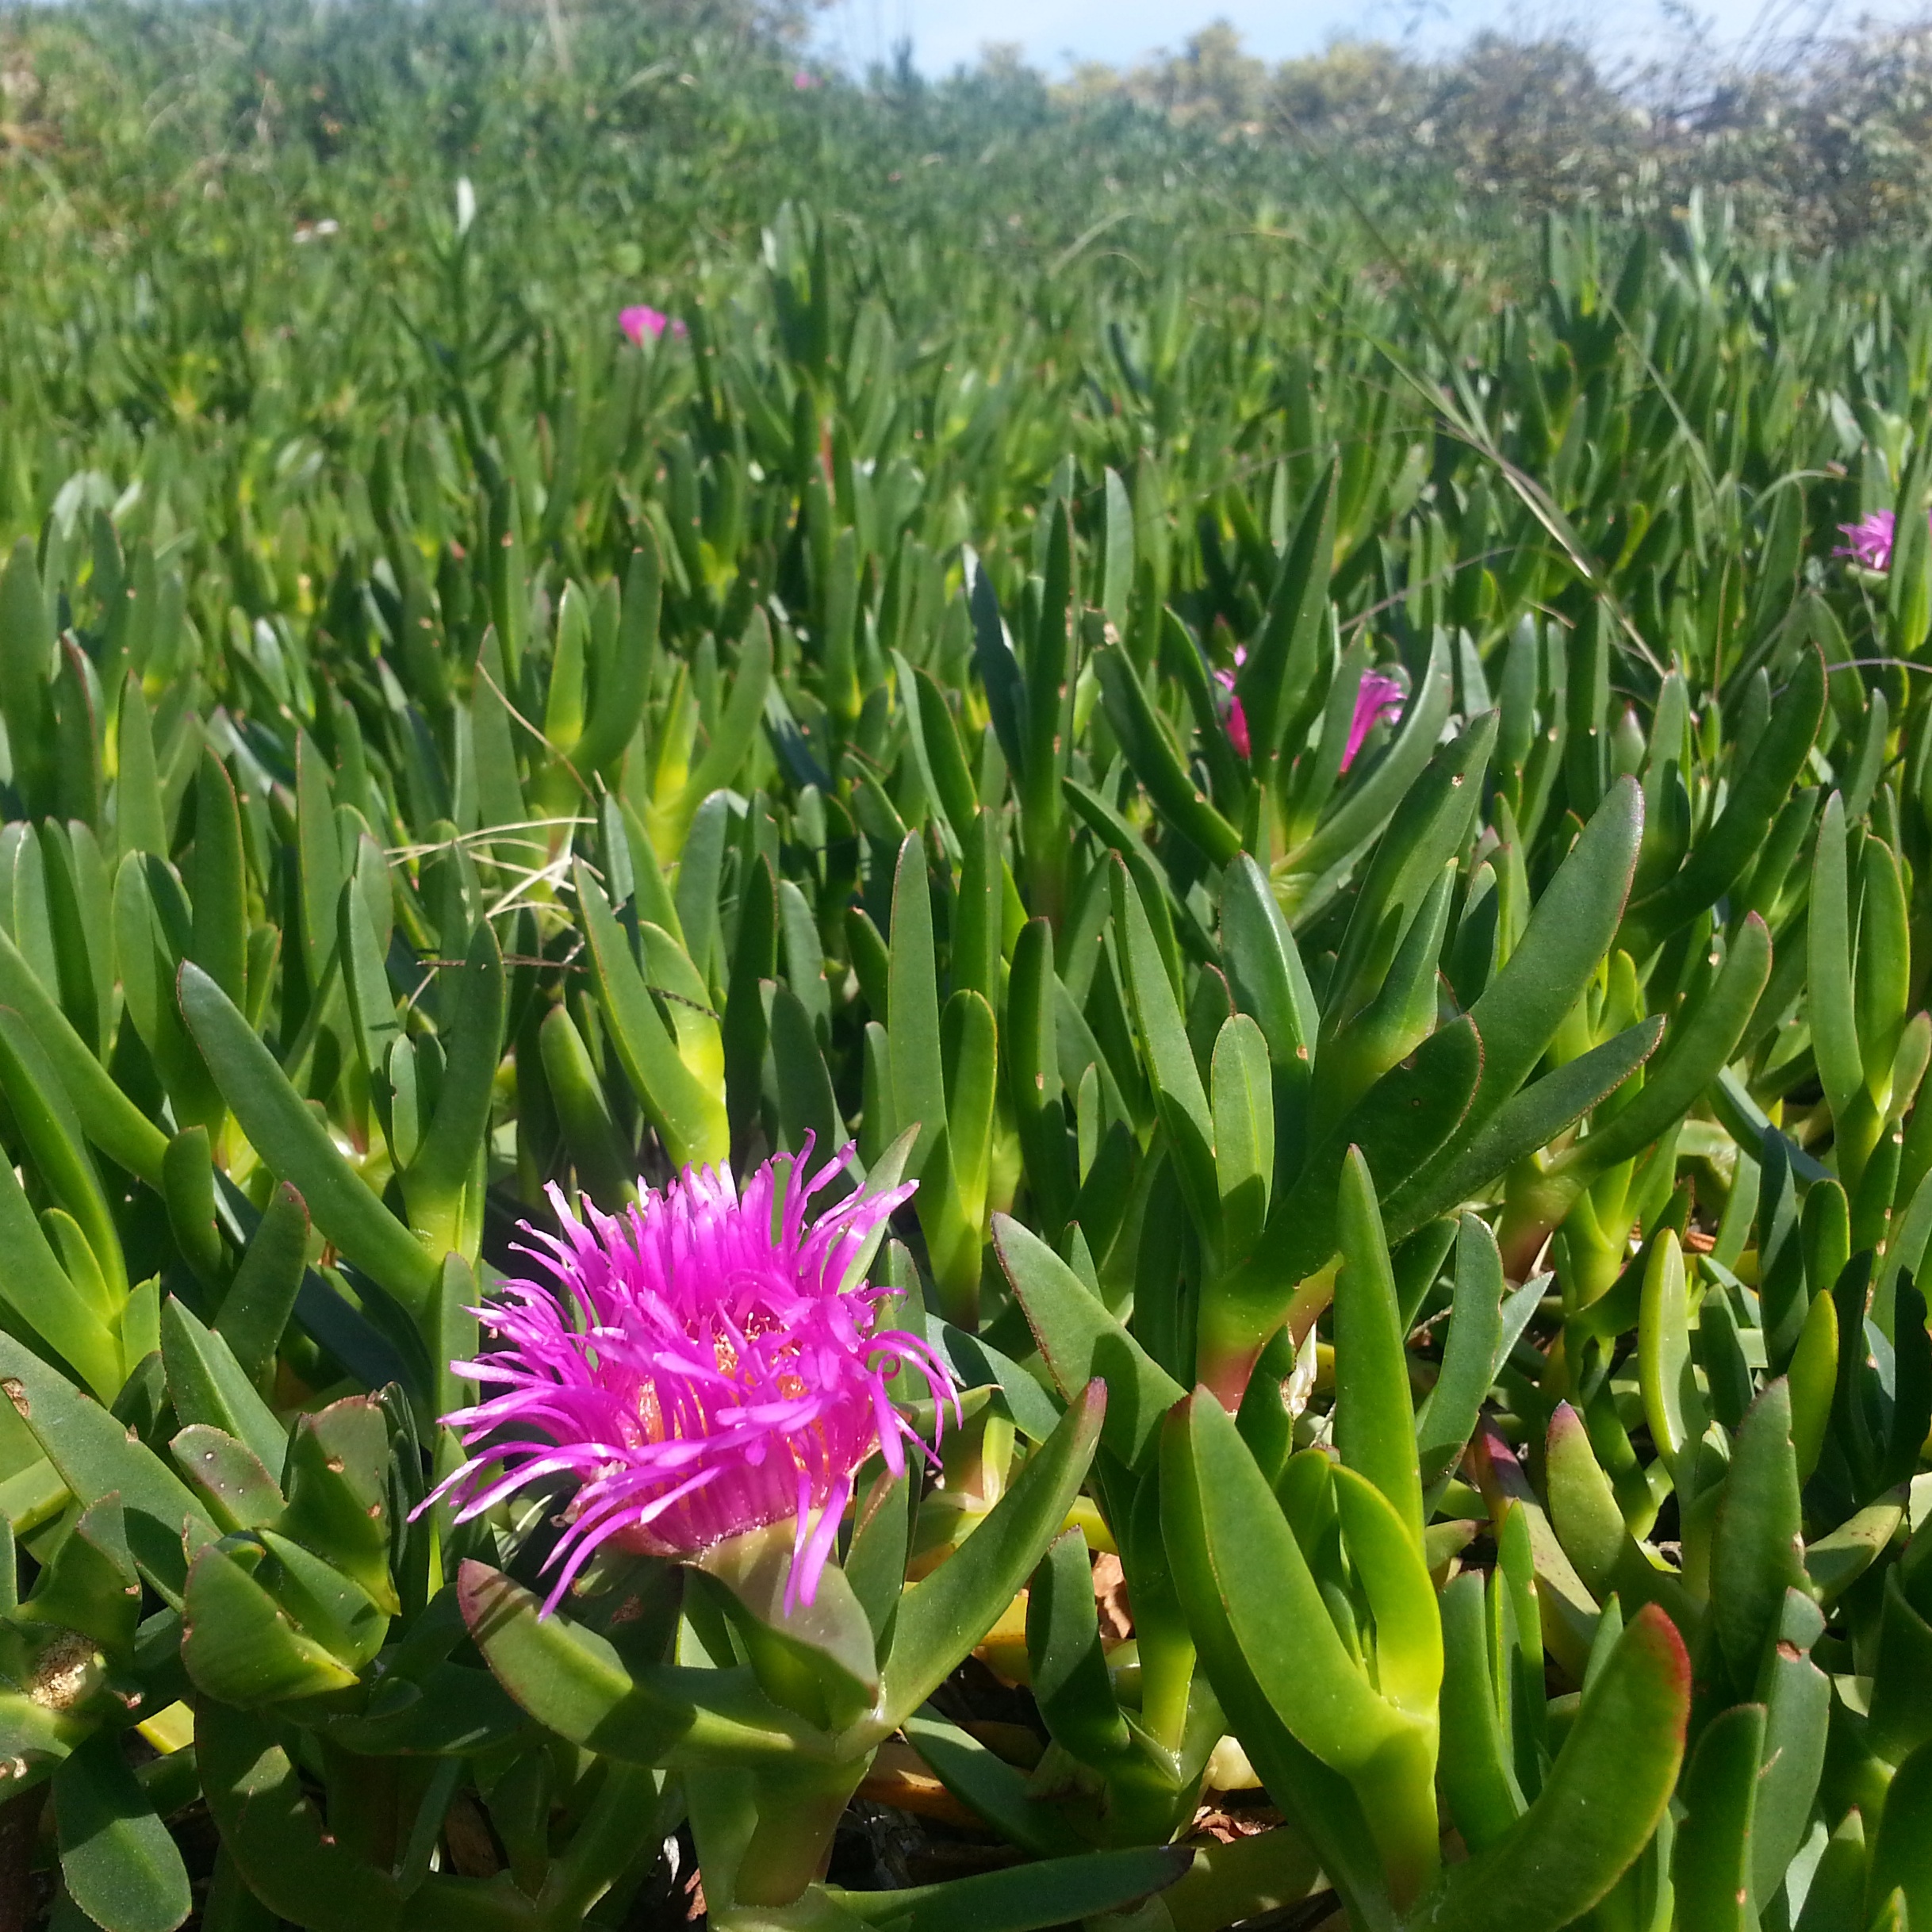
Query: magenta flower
{"x": 641, "y": 320}
{"x": 1234, "y": 720}
{"x": 704, "y": 1364}
{"x": 1871, "y": 539}
{"x": 1377, "y": 697}
{"x": 802, "y": 80}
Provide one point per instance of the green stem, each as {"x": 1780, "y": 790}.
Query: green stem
{"x": 1398, "y": 1791}
{"x": 1535, "y": 1204}
{"x": 791, "y": 1844}
{"x": 1239, "y": 1316}
{"x": 1166, "y": 1679}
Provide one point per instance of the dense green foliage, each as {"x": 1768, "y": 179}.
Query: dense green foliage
{"x": 1436, "y": 1202}
{"x": 1818, "y": 134}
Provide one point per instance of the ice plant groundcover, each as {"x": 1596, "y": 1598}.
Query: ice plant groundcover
{"x": 1058, "y": 1082}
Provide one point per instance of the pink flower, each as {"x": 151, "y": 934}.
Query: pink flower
{"x": 642, "y": 319}
{"x": 701, "y": 1365}
{"x": 1377, "y": 697}
{"x": 1234, "y": 720}
{"x": 802, "y": 80}
{"x": 1871, "y": 539}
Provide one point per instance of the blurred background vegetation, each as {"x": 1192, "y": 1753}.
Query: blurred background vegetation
{"x": 115, "y": 118}
{"x": 1819, "y": 139}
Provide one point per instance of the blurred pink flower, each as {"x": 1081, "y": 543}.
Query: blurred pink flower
{"x": 1871, "y": 540}
{"x": 704, "y": 1364}
{"x": 1378, "y": 697}
{"x": 641, "y": 320}
{"x": 1234, "y": 720}
{"x": 802, "y": 80}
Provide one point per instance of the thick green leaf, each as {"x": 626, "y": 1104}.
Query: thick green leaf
{"x": 1052, "y": 1891}
{"x": 1902, "y": 1858}
{"x": 1179, "y": 1095}
{"x": 1375, "y": 1421}
{"x": 575, "y": 1681}
{"x": 605, "y": 1169}
{"x": 1081, "y": 1341}
{"x": 218, "y": 883}
{"x": 296, "y": 1147}
{"x": 1368, "y": 804}
{"x": 1411, "y": 1111}
{"x": 1478, "y": 1777}
{"x": 45, "y": 1299}
{"x": 1832, "y": 1008}
{"x": 980, "y": 909}
{"x": 942, "y": 1617}
{"x": 1757, "y": 793}
{"x": 1470, "y": 1353}
{"x": 623, "y": 679}
{"x": 1280, "y": 666}
{"x": 372, "y": 1005}
{"x": 1757, "y": 1545}
{"x": 1243, "y": 1131}
{"x": 140, "y": 821}
{"x": 1673, "y": 1402}
{"x": 448, "y": 1152}
{"x": 239, "y": 1490}
{"x": 817, "y": 1658}
{"x": 1900, "y": 1703}
{"x": 1300, "y": 1704}
{"x": 1698, "y": 1048}
{"x": 320, "y": 852}
{"x": 1392, "y": 1571}
{"x": 1599, "y": 1805}
{"x": 989, "y": 1785}
{"x": 806, "y": 1103}
{"x": 255, "y": 1310}
{"x": 337, "y": 1480}
{"x": 1242, "y": 1577}
{"x": 1524, "y": 1124}
{"x": 1033, "y": 1067}
{"x": 1156, "y": 762}
{"x": 1583, "y": 1505}
{"x": 207, "y": 1385}
{"x": 689, "y": 1118}
{"x": 976, "y": 1364}
{"x": 1797, "y": 1698}
{"x": 1425, "y": 837}
{"x": 108, "y": 1119}
{"x": 94, "y": 1455}
{"x": 274, "y": 1833}
{"x": 743, "y": 1034}
{"x": 116, "y": 1859}
{"x": 1174, "y": 925}
{"x": 90, "y": 1584}
{"x": 875, "y": 1560}
{"x": 912, "y": 1016}
{"x": 934, "y": 742}
{"x": 1832, "y": 1562}
{"x": 1068, "y": 1669}
{"x": 237, "y": 1643}
{"x": 1711, "y": 1869}
{"x": 1569, "y": 931}
{"x": 51, "y": 1133}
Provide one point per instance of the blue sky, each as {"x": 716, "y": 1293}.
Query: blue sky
{"x": 947, "y": 32}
